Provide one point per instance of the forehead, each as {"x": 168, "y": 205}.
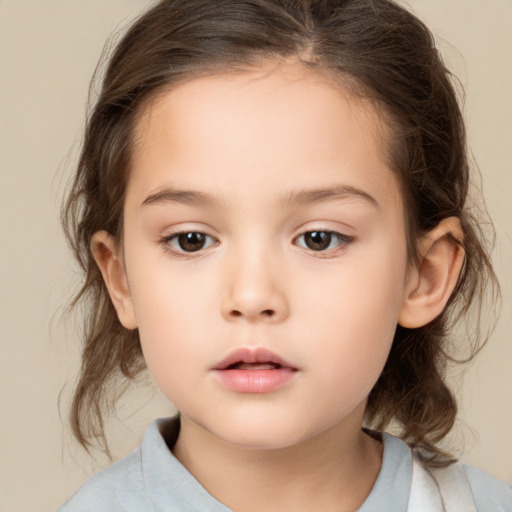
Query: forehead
{"x": 290, "y": 88}
{"x": 274, "y": 125}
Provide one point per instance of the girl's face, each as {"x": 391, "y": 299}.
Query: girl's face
{"x": 264, "y": 226}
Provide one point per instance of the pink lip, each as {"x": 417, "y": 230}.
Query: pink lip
{"x": 260, "y": 380}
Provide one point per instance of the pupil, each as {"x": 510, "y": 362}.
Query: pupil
{"x": 191, "y": 242}
{"x": 318, "y": 240}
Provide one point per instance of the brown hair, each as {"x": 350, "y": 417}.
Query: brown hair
{"x": 383, "y": 52}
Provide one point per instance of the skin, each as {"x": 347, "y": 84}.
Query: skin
{"x": 249, "y": 141}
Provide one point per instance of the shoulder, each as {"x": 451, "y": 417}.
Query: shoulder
{"x": 126, "y": 485}
{"x": 150, "y": 478}
{"x": 489, "y": 493}
{"x": 408, "y": 483}
{"x": 120, "y": 487}
{"x": 460, "y": 487}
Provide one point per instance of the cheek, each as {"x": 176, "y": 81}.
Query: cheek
{"x": 165, "y": 293}
{"x": 171, "y": 311}
{"x": 357, "y": 314}
{"x": 170, "y": 319}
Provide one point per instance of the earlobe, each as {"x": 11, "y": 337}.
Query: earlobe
{"x": 107, "y": 257}
{"x": 432, "y": 282}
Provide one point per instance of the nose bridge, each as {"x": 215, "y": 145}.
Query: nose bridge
{"x": 255, "y": 287}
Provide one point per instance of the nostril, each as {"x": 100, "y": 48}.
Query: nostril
{"x": 266, "y": 312}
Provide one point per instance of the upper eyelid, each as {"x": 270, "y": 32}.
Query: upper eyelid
{"x": 302, "y": 232}
{"x": 348, "y": 240}
{"x": 171, "y": 236}
{"x": 323, "y": 229}
{"x": 184, "y": 232}
{"x": 166, "y": 240}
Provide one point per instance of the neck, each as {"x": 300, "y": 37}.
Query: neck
{"x": 333, "y": 471}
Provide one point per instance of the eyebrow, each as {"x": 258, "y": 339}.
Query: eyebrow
{"x": 318, "y": 195}
{"x": 294, "y": 198}
{"x": 171, "y": 195}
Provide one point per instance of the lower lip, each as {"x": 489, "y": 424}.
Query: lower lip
{"x": 255, "y": 381}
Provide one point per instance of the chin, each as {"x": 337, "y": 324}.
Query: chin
{"x": 261, "y": 433}
{"x": 260, "y": 441}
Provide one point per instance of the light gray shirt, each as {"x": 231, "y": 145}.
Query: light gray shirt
{"x": 152, "y": 479}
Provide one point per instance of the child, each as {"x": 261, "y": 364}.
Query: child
{"x": 270, "y": 209}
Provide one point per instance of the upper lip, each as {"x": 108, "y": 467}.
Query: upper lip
{"x": 251, "y": 355}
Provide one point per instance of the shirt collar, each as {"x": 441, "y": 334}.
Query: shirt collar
{"x": 392, "y": 488}
{"x": 172, "y": 487}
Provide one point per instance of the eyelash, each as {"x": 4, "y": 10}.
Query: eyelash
{"x": 167, "y": 241}
{"x": 343, "y": 242}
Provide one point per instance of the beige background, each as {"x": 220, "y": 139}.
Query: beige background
{"x": 48, "y": 51}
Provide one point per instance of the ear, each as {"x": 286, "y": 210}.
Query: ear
{"x": 432, "y": 281}
{"x": 109, "y": 261}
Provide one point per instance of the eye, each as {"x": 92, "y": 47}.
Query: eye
{"x": 319, "y": 240}
{"x": 190, "y": 241}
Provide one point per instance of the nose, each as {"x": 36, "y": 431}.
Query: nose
{"x": 254, "y": 289}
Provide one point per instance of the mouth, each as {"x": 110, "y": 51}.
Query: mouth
{"x": 240, "y": 365}
{"x": 254, "y": 371}
{"x": 253, "y": 359}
